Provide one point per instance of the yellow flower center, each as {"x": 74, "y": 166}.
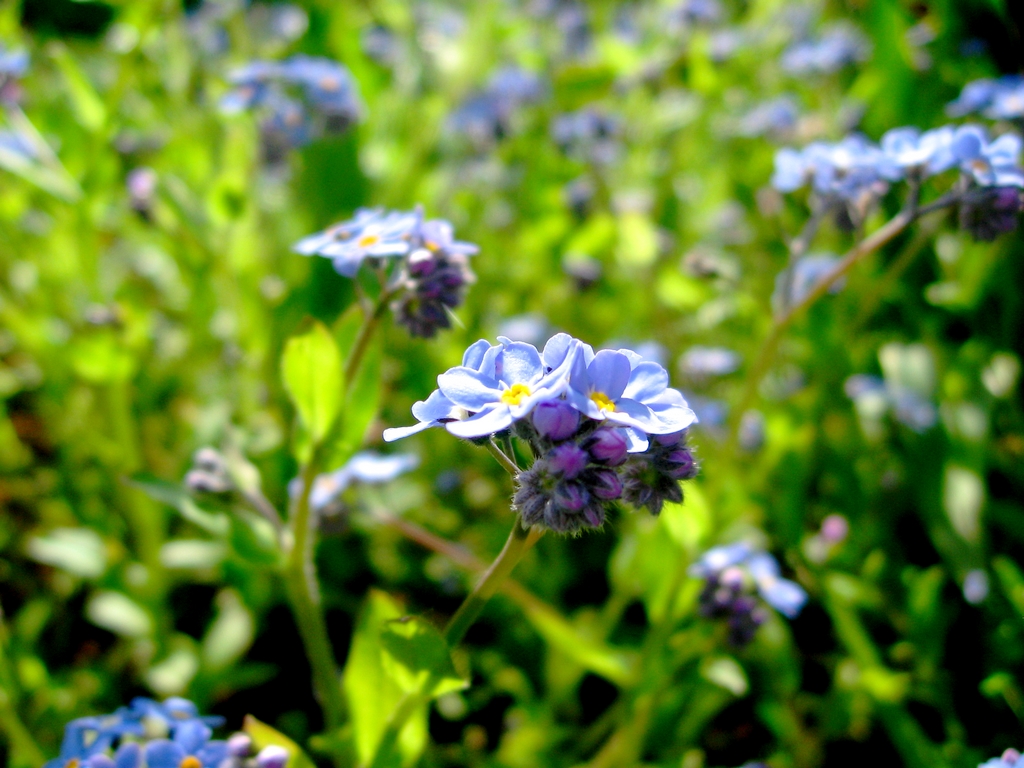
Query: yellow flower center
{"x": 602, "y": 401}
{"x": 72, "y": 763}
{"x": 330, "y": 83}
{"x": 367, "y": 240}
{"x": 190, "y": 762}
{"x": 514, "y": 394}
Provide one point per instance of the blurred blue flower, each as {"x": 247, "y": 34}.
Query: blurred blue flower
{"x": 848, "y": 169}
{"x": 807, "y": 273}
{"x": 328, "y": 86}
{"x": 83, "y": 738}
{"x": 589, "y": 134}
{"x": 17, "y": 146}
{"x": 696, "y": 12}
{"x": 926, "y": 153}
{"x": 365, "y": 467}
{"x": 975, "y": 587}
{"x": 190, "y": 739}
{"x": 732, "y": 574}
{"x": 1011, "y": 758}
{"x": 838, "y": 45}
{"x": 990, "y": 163}
{"x": 700, "y": 362}
{"x": 874, "y": 397}
{"x": 1001, "y": 99}
{"x": 13, "y": 63}
{"x": 485, "y": 117}
{"x": 770, "y": 117}
{"x": 370, "y": 233}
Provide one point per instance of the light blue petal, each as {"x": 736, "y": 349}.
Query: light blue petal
{"x": 474, "y": 354}
{"x": 785, "y": 596}
{"x": 437, "y": 406}
{"x": 484, "y": 423}
{"x": 397, "y": 433}
{"x": 372, "y": 467}
{"x": 609, "y": 373}
{"x": 718, "y": 559}
{"x": 636, "y": 441}
{"x": 164, "y": 754}
{"x": 519, "y": 363}
{"x": 190, "y": 735}
{"x": 128, "y": 756}
{"x": 763, "y": 567}
{"x": 647, "y": 381}
{"x": 469, "y": 389}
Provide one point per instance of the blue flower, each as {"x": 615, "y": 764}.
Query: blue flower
{"x": 13, "y": 63}
{"x": 1011, "y": 758}
{"x": 437, "y": 409}
{"x": 190, "y": 747}
{"x": 770, "y": 117}
{"x": 588, "y": 134}
{"x": 519, "y": 382}
{"x": 83, "y": 738}
{"x": 787, "y": 597}
{"x": 926, "y": 153}
{"x": 622, "y": 388}
{"x": 365, "y": 467}
{"x": 371, "y": 233}
{"x": 839, "y": 45}
{"x": 700, "y": 361}
{"x": 807, "y": 273}
{"x": 1001, "y": 99}
{"x": 990, "y": 164}
{"x": 327, "y": 84}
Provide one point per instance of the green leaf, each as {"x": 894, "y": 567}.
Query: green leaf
{"x": 371, "y": 691}
{"x": 417, "y": 658}
{"x": 85, "y": 103}
{"x": 79, "y": 551}
{"x": 175, "y": 496}
{"x": 311, "y": 368}
{"x": 263, "y": 735}
{"x": 118, "y": 613}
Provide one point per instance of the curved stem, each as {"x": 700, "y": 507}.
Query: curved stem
{"x": 519, "y": 542}
{"x": 502, "y": 458}
{"x": 864, "y": 248}
{"x": 300, "y": 577}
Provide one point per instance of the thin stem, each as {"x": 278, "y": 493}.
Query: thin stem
{"x": 518, "y": 544}
{"x": 798, "y": 247}
{"x": 520, "y": 541}
{"x": 499, "y": 456}
{"x": 864, "y": 248}
{"x": 300, "y": 577}
{"x": 23, "y": 748}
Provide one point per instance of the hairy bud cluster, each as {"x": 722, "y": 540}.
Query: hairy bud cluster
{"x": 209, "y": 473}
{"x": 583, "y": 467}
{"x": 651, "y": 478}
{"x": 729, "y": 595}
{"x": 435, "y": 283}
{"x": 988, "y": 212}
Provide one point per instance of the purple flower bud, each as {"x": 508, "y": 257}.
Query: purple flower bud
{"x": 681, "y": 465}
{"x": 239, "y": 745}
{"x": 670, "y": 439}
{"x": 605, "y": 484}
{"x": 607, "y": 446}
{"x": 421, "y": 263}
{"x": 834, "y": 529}
{"x": 272, "y": 757}
{"x": 594, "y": 515}
{"x": 568, "y": 460}
{"x": 556, "y": 420}
{"x": 571, "y": 496}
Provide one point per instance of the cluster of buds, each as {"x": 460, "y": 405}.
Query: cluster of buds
{"x": 433, "y": 271}
{"x": 738, "y": 584}
{"x": 602, "y": 426}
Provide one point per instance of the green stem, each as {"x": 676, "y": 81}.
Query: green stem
{"x": 519, "y": 542}
{"x": 23, "y": 749}
{"x": 864, "y": 248}
{"x": 300, "y": 576}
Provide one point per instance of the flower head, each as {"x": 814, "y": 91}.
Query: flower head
{"x": 992, "y": 163}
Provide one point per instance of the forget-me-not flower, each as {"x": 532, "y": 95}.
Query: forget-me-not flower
{"x": 190, "y": 747}
{"x": 370, "y": 233}
{"x": 990, "y": 163}
{"x": 927, "y": 153}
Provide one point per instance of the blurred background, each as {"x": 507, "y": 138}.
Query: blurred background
{"x": 613, "y": 163}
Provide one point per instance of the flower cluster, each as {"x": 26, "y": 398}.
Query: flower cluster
{"x": 1001, "y": 99}
{"x": 13, "y": 65}
{"x": 151, "y": 734}
{"x": 434, "y": 269}
{"x": 329, "y": 101}
{"x": 588, "y": 134}
{"x": 838, "y": 46}
{"x": 486, "y": 117}
{"x": 856, "y": 172}
{"x": 1011, "y": 758}
{"x": 737, "y": 581}
{"x": 602, "y": 425}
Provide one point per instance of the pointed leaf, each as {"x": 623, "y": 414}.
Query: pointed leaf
{"x": 311, "y": 368}
{"x": 263, "y": 735}
{"x": 417, "y": 658}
